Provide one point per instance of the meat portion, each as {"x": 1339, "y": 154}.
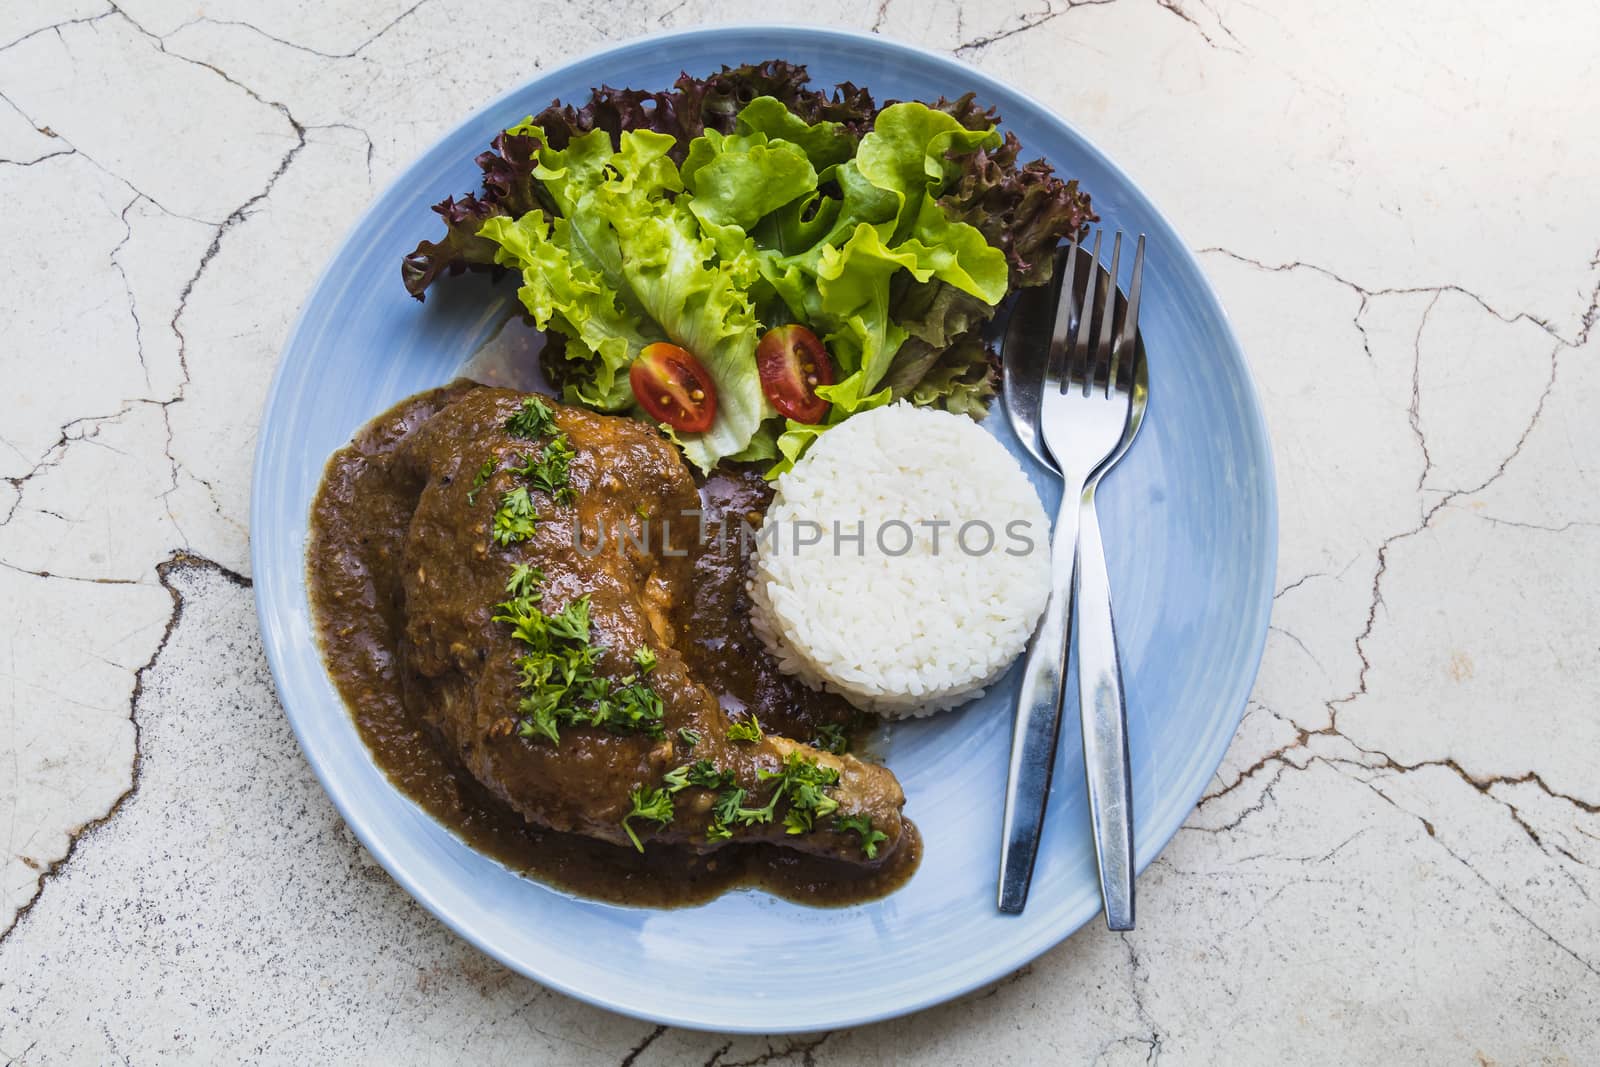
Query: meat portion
{"x": 458, "y": 666}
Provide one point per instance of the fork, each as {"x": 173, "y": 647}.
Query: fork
{"x": 1091, "y": 404}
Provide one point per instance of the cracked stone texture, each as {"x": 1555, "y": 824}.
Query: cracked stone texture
{"x": 1399, "y": 859}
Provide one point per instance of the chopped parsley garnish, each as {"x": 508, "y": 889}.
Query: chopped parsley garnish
{"x": 555, "y": 461}
{"x": 728, "y": 804}
{"x": 652, "y": 804}
{"x": 702, "y": 773}
{"x": 862, "y": 825}
{"x": 645, "y": 657}
{"x": 831, "y": 737}
{"x": 800, "y": 779}
{"x": 632, "y": 708}
{"x": 556, "y": 674}
{"x": 480, "y": 480}
{"x": 572, "y": 621}
{"x": 705, "y": 775}
{"x": 514, "y": 519}
{"x": 803, "y": 781}
{"x": 533, "y": 419}
{"x": 725, "y": 813}
{"x": 688, "y": 736}
{"x": 525, "y": 581}
{"x": 745, "y": 730}
{"x": 549, "y": 470}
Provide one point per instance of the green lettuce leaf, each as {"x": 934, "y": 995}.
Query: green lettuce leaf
{"x": 910, "y": 148}
{"x": 701, "y": 302}
{"x": 961, "y": 380}
{"x": 509, "y": 189}
{"x": 707, "y": 212}
{"x": 567, "y": 173}
{"x": 884, "y": 220}
{"x": 629, "y": 265}
{"x": 560, "y": 291}
{"x": 738, "y": 178}
{"x": 852, "y": 284}
{"x": 683, "y": 112}
{"x": 1023, "y": 210}
{"x": 824, "y": 143}
{"x": 870, "y": 259}
{"x": 936, "y": 316}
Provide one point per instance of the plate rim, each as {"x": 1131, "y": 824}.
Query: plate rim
{"x": 274, "y": 648}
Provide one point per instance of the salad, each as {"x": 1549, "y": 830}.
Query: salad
{"x": 746, "y": 261}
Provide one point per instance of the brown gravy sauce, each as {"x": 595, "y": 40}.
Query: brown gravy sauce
{"x": 358, "y": 523}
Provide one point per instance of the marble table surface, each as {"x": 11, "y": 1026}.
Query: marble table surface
{"x": 1399, "y": 860}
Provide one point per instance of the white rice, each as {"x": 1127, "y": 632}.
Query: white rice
{"x": 912, "y": 633}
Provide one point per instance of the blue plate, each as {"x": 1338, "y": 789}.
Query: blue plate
{"x": 1191, "y": 526}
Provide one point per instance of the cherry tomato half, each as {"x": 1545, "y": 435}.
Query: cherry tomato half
{"x": 792, "y": 363}
{"x": 674, "y": 388}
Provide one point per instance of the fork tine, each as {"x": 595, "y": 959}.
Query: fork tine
{"x": 1079, "y": 356}
{"x": 1105, "y": 352}
{"x": 1055, "y": 366}
{"x": 1128, "y": 340}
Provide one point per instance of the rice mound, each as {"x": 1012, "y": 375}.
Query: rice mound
{"x": 901, "y": 633}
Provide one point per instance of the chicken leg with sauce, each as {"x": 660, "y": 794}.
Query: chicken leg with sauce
{"x": 456, "y": 664}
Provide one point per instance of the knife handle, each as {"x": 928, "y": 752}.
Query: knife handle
{"x": 1038, "y": 722}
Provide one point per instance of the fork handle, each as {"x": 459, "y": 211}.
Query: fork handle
{"x": 1105, "y": 720}
{"x": 1038, "y": 723}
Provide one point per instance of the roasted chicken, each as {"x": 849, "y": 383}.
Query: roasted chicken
{"x": 459, "y": 666}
